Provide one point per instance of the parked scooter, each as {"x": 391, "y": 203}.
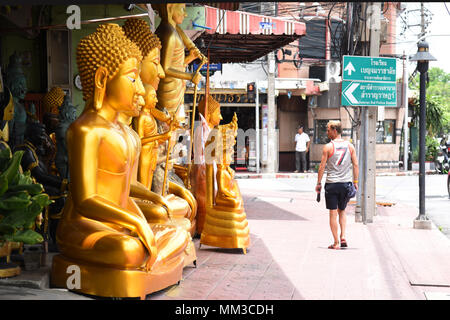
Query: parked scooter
{"x": 442, "y": 162}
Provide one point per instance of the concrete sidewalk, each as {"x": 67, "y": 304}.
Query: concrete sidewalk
{"x": 289, "y": 259}
{"x": 293, "y": 175}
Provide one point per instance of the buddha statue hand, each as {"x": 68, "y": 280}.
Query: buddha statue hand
{"x": 148, "y": 239}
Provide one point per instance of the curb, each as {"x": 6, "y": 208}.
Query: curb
{"x": 313, "y": 174}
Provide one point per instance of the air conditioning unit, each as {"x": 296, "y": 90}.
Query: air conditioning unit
{"x": 333, "y": 69}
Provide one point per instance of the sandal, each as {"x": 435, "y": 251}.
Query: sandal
{"x": 343, "y": 243}
{"x": 334, "y": 246}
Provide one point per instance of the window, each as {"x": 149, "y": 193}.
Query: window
{"x": 320, "y": 131}
{"x": 385, "y": 131}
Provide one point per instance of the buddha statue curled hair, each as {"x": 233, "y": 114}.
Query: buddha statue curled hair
{"x": 138, "y": 31}
{"x": 107, "y": 47}
{"x": 213, "y": 104}
{"x": 53, "y": 100}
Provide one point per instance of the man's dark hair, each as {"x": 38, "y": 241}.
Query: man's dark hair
{"x": 300, "y": 127}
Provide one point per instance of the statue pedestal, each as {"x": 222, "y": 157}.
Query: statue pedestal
{"x": 110, "y": 282}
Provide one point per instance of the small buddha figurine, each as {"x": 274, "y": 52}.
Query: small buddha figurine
{"x": 52, "y": 102}
{"x": 210, "y": 117}
{"x": 226, "y": 223}
{"x": 16, "y": 81}
{"x": 102, "y": 231}
{"x": 67, "y": 115}
{"x": 173, "y": 60}
{"x": 33, "y": 159}
{"x": 181, "y": 202}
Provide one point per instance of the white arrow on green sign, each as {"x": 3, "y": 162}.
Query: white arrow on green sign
{"x": 360, "y": 93}
{"x": 376, "y": 69}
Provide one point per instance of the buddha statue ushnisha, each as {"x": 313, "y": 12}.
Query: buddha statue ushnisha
{"x": 102, "y": 231}
{"x": 226, "y": 223}
{"x": 180, "y": 201}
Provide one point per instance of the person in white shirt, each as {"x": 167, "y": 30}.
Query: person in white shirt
{"x": 301, "y": 148}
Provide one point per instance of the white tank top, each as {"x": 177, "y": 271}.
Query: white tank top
{"x": 339, "y": 164}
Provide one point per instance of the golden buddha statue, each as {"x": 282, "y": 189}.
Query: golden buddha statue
{"x": 226, "y": 223}
{"x": 102, "y": 231}
{"x": 209, "y": 113}
{"x": 173, "y": 60}
{"x": 181, "y": 202}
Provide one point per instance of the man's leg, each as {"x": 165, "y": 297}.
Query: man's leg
{"x": 303, "y": 161}
{"x": 297, "y": 161}
{"x": 334, "y": 226}
{"x": 342, "y": 222}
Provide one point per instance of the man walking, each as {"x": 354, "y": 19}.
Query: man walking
{"x": 301, "y": 148}
{"x": 338, "y": 156}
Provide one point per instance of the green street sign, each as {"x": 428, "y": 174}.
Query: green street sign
{"x": 375, "y": 69}
{"x": 360, "y": 93}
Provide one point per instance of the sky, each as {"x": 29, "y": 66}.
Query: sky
{"x": 439, "y": 26}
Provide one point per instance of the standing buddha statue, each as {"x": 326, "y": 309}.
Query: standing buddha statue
{"x": 102, "y": 230}
{"x": 16, "y": 82}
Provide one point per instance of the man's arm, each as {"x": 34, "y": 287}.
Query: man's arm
{"x": 355, "y": 165}
{"x": 323, "y": 163}
{"x": 307, "y": 146}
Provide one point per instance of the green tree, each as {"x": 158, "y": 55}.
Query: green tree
{"x": 438, "y": 101}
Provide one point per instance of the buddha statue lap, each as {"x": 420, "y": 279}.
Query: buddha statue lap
{"x": 102, "y": 230}
{"x": 181, "y": 202}
{"x": 226, "y": 223}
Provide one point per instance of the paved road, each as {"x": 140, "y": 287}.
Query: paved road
{"x": 404, "y": 189}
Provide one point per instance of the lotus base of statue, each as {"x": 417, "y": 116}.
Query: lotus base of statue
{"x": 110, "y": 282}
{"x": 226, "y": 229}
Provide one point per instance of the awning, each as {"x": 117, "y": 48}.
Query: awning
{"x": 239, "y": 37}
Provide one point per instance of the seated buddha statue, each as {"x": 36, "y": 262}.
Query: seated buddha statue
{"x": 6, "y": 115}
{"x": 102, "y": 231}
{"x": 226, "y": 223}
{"x": 181, "y": 202}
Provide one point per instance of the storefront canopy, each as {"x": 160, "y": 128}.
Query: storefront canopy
{"x": 240, "y": 37}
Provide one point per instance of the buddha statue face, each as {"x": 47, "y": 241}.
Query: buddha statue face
{"x": 215, "y": 117}
{"x": 152, "y": 71}
{"x": 125, "y": 90}
{"x": 18, "y": 86}
{"x": 178, "y": 12}
{"x": 150, "y": 97}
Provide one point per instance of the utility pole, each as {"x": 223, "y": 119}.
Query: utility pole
{"x": 369, "y": 128}
{"x": 271, "y": 116}
{"x": 405, "y": 119}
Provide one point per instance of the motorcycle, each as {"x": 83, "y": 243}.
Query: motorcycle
{"x": 442, "y": 162}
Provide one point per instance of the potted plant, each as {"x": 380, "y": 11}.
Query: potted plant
{"x": 21, "y": 202}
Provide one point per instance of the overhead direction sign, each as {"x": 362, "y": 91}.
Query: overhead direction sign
{"x": 358, "y": 93}
{"x": 369, "y": 81}
{"x": 369, "y": 69}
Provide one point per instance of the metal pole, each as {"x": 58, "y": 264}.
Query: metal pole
{"x": 405, "y": 120}
{"x": 422, "y": 131}
{"x": 257, "y": 125}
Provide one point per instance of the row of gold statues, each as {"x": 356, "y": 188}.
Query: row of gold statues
{"x": 126, "y": 239}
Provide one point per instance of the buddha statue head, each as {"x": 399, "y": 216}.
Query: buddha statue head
{"x": 109, "y": 65}
{"x": 15, "y": 78}
{"x": 174, "y": 13}
{"x": 6, "y": 112}
{"x": 210, "y": 110}
{"x": 138, "y": 31}
{"x": 53, "y": 100}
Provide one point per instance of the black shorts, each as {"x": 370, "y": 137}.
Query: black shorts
{"x": 336, "y": 195}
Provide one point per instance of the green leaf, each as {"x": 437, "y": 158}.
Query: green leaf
{"x": 14, "y": 201}
{"x": 27, "y": 237}
{"x": 42, "y": 199}
{"x": 3, "y": 185}
{"x": 32, "y": 189}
